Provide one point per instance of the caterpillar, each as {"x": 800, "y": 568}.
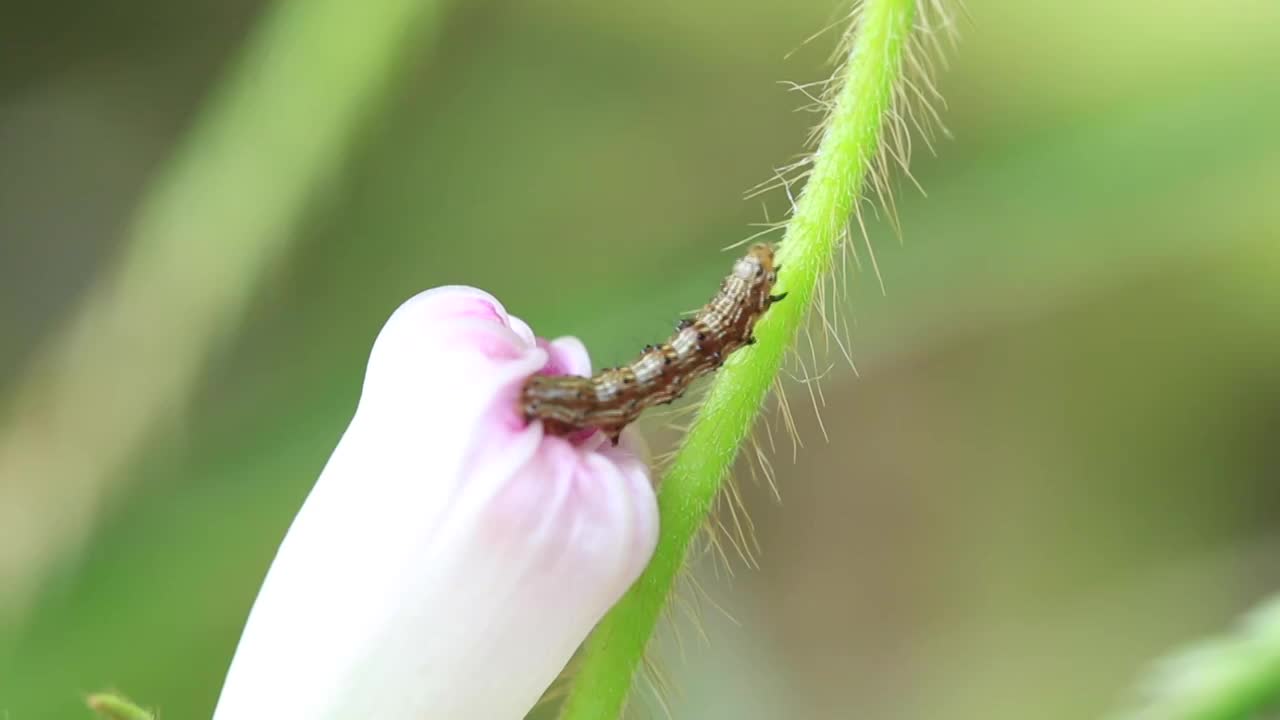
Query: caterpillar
{"x": 615, "y": 397}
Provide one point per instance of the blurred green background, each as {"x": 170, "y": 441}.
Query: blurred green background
{"x": 1058, "y": 462}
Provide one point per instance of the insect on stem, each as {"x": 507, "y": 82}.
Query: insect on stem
{"x": 614, "y": 398}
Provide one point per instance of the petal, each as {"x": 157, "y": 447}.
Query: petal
{"x": 568, "y": 356}
{"x": 450, "y": 558}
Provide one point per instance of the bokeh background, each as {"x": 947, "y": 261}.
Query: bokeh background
{"x": 1058, "y": 460}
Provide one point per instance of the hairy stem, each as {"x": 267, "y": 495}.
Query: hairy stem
{"x": 848, "y": 147}
{"x": 1229, "y": 678}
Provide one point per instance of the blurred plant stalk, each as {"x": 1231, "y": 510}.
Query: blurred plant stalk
{"x": 215, "y": 218}
{"x": 115, "y": 707}
{"x": 1230, "y": 677}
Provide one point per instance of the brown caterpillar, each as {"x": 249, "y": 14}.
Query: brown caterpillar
{"x": 616, "y": 396}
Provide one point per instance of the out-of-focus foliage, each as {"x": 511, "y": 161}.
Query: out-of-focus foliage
{"x": 114, "y": 707}
{"x": 1058, "y": 461}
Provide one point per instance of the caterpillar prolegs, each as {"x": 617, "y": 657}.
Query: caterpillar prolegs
{"x": 615, "y": 397}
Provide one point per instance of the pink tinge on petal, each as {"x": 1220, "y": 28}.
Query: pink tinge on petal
{"x": 521, "y": 328}
{"x": 632, "y": 457}
{"x": 440, "y": 309}
{"x": 567, "y": 356}
{"x": 451, "y": 557}
{"x": 475, "y": 307}
{"x": 454, "y": 301}
{"x": 589, "y": 514}
{"x": 447, "y": 348}
{"x": 472, "y": 335}
{"x": 504, "y": 408}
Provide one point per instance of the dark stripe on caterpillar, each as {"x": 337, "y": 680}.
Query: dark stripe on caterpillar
{"x": 615, "y": 397}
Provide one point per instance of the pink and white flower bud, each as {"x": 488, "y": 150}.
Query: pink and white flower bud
{"x": 450, "y": 557}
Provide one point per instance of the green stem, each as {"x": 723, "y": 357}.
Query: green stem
{"x": 848, "y": 147}
{"x": 1230, "y": 678}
